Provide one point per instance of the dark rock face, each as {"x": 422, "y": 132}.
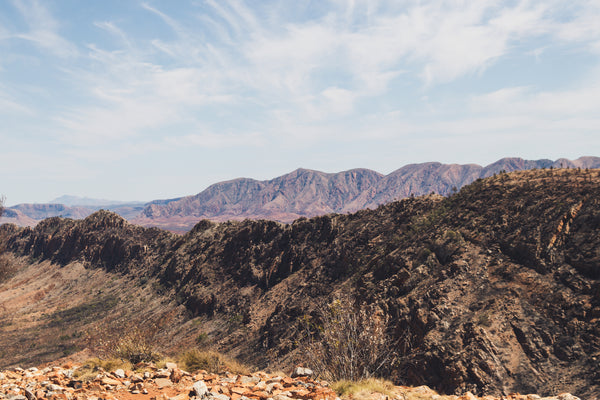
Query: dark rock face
{"x": 494, "y": 289}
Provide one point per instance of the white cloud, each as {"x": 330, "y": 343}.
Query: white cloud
{"x": 301, "y": 77}
{"x": 43, "y": 29}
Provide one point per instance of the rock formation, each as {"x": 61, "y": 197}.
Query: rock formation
{"x": 492, "y": 290}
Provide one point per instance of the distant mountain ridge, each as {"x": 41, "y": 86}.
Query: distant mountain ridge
{"x": 301, "y": 193}
{"x": 307, "y": 193}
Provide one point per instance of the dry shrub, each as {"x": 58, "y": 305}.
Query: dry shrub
{"x": 347, "y": 341}
{"x": 8, "y": 265}
{"x": 129, "y": 341}
{"x": 211, "y": 361}
{"x": 93, "y": 366}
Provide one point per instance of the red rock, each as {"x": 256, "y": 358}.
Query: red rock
{"x": 110, "y": 381}
{"x": 260, "y": 395}
{"x": 239, "y": 390}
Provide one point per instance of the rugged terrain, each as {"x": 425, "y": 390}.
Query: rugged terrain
{"x": 301, "y": 193}
{"x": 494, "y": 289}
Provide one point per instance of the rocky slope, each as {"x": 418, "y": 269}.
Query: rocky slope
{"x": 495, "y": 289}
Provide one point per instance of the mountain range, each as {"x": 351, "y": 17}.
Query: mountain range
{"x": 493, "y": 289}
{"x": 301, "y": 193}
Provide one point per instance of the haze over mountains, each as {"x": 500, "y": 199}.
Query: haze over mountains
{"x": 301, "y": 193}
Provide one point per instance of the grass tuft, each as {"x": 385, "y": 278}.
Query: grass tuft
{"x": 363, "y": 389}
{"x": 91, "y": 367}
{"x": 211, "y": 361}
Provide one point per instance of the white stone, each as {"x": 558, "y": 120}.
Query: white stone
{"x": 200, "y": 389}
{"x": 119, "y": 373}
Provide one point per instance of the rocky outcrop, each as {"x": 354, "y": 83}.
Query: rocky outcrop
{"x": 492, "y": 290}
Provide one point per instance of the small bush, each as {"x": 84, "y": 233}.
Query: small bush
{"x": 136, "y": 347}
{"x": 346, "y": 341}
{"x": 134, "y": 344}
{"x": 211, "y": 361}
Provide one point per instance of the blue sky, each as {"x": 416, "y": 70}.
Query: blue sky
{"x": 140, "y": 100}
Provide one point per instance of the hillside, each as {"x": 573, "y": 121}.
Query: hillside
{"x": 495, "y": 289}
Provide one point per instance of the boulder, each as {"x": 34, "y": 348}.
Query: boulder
{"x": 301, "y": 371}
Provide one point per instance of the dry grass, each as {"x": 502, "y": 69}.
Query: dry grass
{"x": 363, "y": 389}
{"x": 211, "y": 361}
{"x": 91, "y": 367}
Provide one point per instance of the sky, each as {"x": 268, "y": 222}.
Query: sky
{"x": 143, "y": 100}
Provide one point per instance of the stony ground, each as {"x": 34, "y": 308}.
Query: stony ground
{"x": 171, "y": 383}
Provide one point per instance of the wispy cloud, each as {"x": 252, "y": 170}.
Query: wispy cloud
{"x": 300, "y": 75}
{"x": 43, "y": 29}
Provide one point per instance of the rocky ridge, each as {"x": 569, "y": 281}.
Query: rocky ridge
{"x": 493, "y": 290}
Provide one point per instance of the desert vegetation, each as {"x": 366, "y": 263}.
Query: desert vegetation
{"x": 346, "y": 340}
